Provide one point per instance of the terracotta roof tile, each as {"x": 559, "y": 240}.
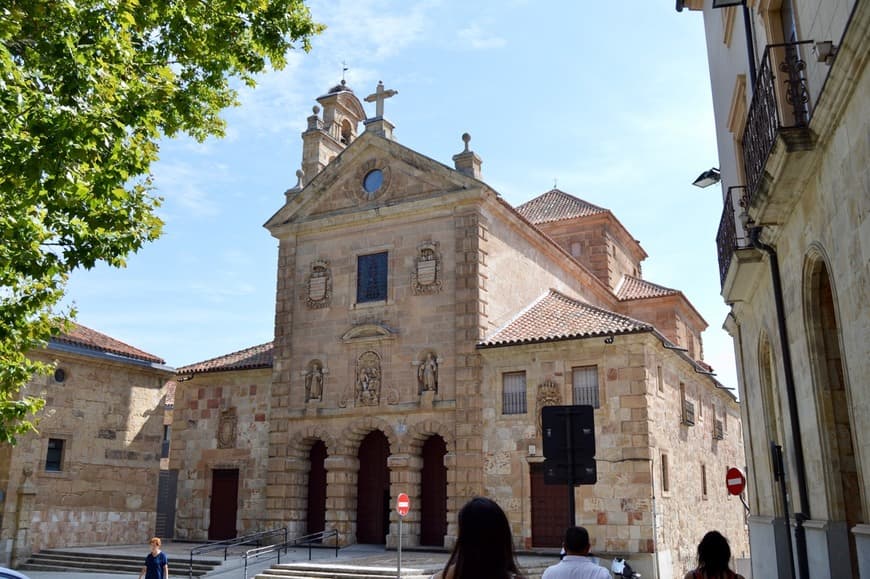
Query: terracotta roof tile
{"x": 634, "y": 288}
{"x": 556, "y": 205}
{"x": 555, "y": 316}
{"x": 247, "y": 359}
{"x": 87, "y": 338}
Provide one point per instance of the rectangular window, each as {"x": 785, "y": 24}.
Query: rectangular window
{"x": 585, "y": 380}
{"x": 371, "y": 277}
{"x": 167, "y": 432}
{"x": 513, "y": 397}
{"x": 660, "y": 378}
{"x": 54, "y": 456}
{"x": 666, "y": 479}
{"x": 704, "y": 481}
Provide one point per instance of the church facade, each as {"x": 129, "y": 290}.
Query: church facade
{"x": 421, "y": 324}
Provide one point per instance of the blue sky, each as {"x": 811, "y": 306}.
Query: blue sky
{"x": 609, "y": 100}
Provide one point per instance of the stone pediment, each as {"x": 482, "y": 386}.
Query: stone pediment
{"x": 367, "y": 332}
{"x": 404, "y": 175}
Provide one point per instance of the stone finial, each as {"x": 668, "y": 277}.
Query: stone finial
{"x": 379, "y": 96}
{"x": 467, "y": 162}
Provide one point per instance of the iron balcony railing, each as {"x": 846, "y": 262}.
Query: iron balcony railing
{"x": 780, "y": 107}
{"x": 727, "y": 238}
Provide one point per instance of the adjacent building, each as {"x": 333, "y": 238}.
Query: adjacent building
{"x": 791, "y": 95}
{"x": 421, "y": 324}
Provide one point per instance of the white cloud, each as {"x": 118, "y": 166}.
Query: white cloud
{"x": 181, "y": 186}
{"x": 479, "y": 39}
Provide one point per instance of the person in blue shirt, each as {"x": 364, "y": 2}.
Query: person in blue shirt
{"x": 156, "y": 563}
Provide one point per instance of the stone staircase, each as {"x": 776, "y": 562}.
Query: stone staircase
{"x": 62, "y": 560}
{"x": 337, "y": 571}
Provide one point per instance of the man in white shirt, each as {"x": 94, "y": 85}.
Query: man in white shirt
{"x": 576, "y": 564}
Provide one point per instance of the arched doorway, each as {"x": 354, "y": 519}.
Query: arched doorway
{"x": 373, "y": 490}
{"x": 433, "y": 493}
{"x": 834, "y": 404}
{"x": 317, "y": 488}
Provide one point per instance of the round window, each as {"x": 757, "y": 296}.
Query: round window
{"x": 59, "y": 375}
{"x": 373, "y": 180}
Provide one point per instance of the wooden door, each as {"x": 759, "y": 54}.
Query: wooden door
{"x": 317, "y": 488}
{"x": 433, "y": 491}
{"x": 550, "y": 510}
{"x": 373, "y": 490}
{"x": 224, "y": 503}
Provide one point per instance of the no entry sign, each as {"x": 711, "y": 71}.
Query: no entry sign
{"x": 735, "y": 482}
{"x": 403, "y": 504}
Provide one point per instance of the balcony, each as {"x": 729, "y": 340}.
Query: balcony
{"x": 781, "y": 108}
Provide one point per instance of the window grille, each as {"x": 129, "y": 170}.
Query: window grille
{"x": 718, "y": 430}
{"x": 371, "y": 278}
{"x": 688, "y": 413}
{"x": 585, "y": 380}
{"x": 514, "y": 393}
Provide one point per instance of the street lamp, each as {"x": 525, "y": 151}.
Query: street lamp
{"x": 707, "y": 178}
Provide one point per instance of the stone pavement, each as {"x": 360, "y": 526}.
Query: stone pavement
{"x": 233, "y": 567}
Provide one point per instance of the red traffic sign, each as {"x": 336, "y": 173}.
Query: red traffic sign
{"x": 735, "y": 481}
{"x": 403, "y": 504}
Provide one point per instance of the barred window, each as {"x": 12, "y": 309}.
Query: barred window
{"x": 371, "y": 278}
{"x": 513, "y": 396}
{"x": 585, "y": 380}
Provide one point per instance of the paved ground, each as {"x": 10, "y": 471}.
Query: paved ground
{"x": 233, "y": 567}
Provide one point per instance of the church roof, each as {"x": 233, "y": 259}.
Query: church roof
{"x": 247, "y": 359}
{"x": 635, "y": 288}
{"x": 555, "y": 316}
{"x": 556, "y": 205}
{"x": 84, "y": 337}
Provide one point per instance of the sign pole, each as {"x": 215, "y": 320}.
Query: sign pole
{"x": 403, "y": 505}
{"x": 399, "y": 567}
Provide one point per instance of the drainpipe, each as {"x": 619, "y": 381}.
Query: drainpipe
{"x": 800, "y": 467}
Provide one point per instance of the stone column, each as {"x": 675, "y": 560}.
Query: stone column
{"x": 405, "y": 478}
{"x": 295, "y": 500}
{"x": 341, "y": 482}
{"x": 21, "y": 546}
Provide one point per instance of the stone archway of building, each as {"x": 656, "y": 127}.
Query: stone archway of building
{"x": 316, "y": 488}
{"x": 433, "y": 493}
{"x": 373, "y": 490}
{"x": 550, "y": 509}
{"x": 844, "y": 492}
{"x": 224, "y": 503}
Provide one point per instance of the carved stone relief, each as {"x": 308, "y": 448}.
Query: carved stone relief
{"x": 427, "y": 374}
{"x": 315, "y": 376}
{"x": 318, "y": 285}
{"x": 226, "y": 435}
{"x": 368, "y": 379}
{"x": 548, "y": 395}
{"x": 426, "y": 277}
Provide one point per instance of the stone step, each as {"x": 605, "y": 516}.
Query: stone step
{"x": 335, "y": 571}
{"x": 59, "y": 560}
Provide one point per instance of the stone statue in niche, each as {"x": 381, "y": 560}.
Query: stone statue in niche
{"x": 427, "y": 374}
{"x": 426, "y": 277}
{"x": 319, "y": 285}
{"x": 368, "y": 381}
{"x": 227, "y": 429}
{"x": 548, "y": 395}
{"x": 314, "y": 382}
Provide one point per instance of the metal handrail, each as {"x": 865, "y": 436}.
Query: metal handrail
{"x": 225, "y": 544}
{"x": 298, "y": 541}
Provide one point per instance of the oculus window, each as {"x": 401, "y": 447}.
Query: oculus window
{"x": 371, "y": 278}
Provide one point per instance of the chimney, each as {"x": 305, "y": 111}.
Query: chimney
{"x": 467, "y": 162}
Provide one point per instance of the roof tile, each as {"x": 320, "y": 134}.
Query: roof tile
{"x": 247, "y": 359}
{"x": 634, "y": 288}
{"x": 85, "y": 337}
{"x": 556, "y": 316}
{"x": 556, "y": 205}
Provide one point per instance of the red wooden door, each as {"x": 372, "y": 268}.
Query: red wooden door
{"x": 550, "y": 510}
{"x": 373, "y": 490}
{"x": 433, "y": 499}
{"x": 224, "y": 503}
{"x": 317, "y": 488}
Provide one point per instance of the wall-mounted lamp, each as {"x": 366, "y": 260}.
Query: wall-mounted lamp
{"x": 727, "y": 3}
{"x": 825, "y": 51}
{"x": 707, "y": 178}
{"x": 608, "y": 340}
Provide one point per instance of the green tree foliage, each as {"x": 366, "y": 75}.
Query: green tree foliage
{"x": 87, "y": 87}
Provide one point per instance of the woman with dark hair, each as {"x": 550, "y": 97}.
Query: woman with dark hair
{"x": 714, "y": 556}
{"x": 484, "y": 548}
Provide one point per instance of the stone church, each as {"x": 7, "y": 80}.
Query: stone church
{"x": 421, "y": 324}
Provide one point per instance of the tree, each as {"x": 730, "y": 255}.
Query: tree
{"x": 87, "y": 88}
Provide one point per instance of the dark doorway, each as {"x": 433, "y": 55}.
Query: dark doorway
{"x": 373, "y": 490}
{"x": 317, "y": 488}
{"x": 433, "y": 493}
{"x": 224, "y": 503}
{"x": 550, "y": 509}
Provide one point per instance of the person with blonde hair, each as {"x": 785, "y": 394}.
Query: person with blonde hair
{"x": 156, "y": 564}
